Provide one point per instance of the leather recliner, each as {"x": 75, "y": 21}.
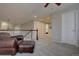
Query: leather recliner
{"x": 8, "y": 45}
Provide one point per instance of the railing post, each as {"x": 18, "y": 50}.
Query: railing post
{"x": 31, "y": 35}
{"x": 37, "y": 34}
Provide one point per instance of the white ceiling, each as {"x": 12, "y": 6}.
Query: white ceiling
{"x": 22, "y": 12}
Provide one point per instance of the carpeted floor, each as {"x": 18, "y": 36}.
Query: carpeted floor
{"x": 45, "y": 47}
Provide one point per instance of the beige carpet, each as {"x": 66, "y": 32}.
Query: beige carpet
{"x": 45, "y": 47}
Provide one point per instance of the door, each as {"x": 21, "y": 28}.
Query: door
{"x": 69, "y": 28}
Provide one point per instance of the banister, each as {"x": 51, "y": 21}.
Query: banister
{"x": 24, "y": 30}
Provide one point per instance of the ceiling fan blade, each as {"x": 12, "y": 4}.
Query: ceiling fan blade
{"x": 46, "y": 5}
{"x": 58, "y": 4}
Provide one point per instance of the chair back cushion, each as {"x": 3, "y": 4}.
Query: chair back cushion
{"x": 8, "y": 43}
{"x": 4, "y": 35}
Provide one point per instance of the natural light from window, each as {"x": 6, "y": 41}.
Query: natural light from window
{"x": 4, "y": 25}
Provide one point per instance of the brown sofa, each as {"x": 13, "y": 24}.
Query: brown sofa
{"x": 8, "y": 45}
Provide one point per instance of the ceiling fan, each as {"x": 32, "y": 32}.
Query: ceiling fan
{"x": 58, "y": 4}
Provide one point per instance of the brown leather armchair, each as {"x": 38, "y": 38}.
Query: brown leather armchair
{"x": 8, "y": 45}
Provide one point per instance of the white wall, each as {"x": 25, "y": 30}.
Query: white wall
{"x": 57, "y": 24}
{"x": 69, "y": 27}
{"x": 56, "y": 27}
{"x": 27, "y": 26}
{"x": 77, "y": 27}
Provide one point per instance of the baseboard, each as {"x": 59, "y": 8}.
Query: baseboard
{"x": 77, "y": 45}
{"x": 65, "y": 44}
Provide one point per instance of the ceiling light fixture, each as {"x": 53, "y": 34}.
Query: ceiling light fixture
{"x": 35, "y": 16}
{"x": 48, "y": 18}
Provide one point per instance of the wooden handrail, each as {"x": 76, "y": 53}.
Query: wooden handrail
{"x": 24, "y": 30}
{"x": 18, "y": 30}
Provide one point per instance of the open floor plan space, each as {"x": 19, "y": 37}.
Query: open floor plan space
{"x": 39, "y": 29}
{"x": 47, "y": 48}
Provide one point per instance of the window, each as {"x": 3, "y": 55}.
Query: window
{"x": 4, "y": 25}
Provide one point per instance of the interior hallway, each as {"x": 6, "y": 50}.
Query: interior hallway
{"x": 45, "y": 47}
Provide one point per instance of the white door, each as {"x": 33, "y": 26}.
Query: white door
{"x": 69, "y": 28}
